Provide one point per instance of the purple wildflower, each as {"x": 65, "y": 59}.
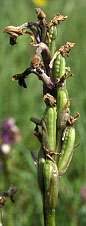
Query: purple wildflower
{"x": 7, "y": 124}
{"x": 83, "y": 193}
{"x": 10, "y": 133}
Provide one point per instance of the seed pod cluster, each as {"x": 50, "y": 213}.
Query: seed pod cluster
{"x": 66, "y": 145}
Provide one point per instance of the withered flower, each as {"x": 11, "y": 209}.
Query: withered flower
{"x": 40, "y": 14}
{"x": 2, "y": 201}
{"x": 14, "y": 32}
{"x": 49, "y": 100}
{"x": 21, "y": 79}
{"x": 35, "y": 62}
{"x": 10, "y": 193}
{"x": 57, "y": 19}
{"x": 65, "y": 49}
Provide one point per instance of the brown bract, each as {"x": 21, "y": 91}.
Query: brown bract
{"x": 66, "y": 48}
{"x": 35, "y": 62}
{"x": 40, "y": 14}
{"x": 49, "y": 154}
{"x": 49, "y": 100}
{"x": 2, "y": 201}
{"x": 57, "y": 19}
{"x": 41, "y": 19}
{"x": 73, "y": 119}
{"x": 64, "y": 77}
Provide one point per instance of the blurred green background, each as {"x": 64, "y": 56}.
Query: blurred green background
{"x": 21, "y": 104}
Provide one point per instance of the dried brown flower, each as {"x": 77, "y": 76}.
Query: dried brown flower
{"x": 57, "y": 19}
{"x": 2, "y": 201}
{"x": 65, "y": 49}
{"x": 49, "y": 100}
{"x": 35, "y": 62}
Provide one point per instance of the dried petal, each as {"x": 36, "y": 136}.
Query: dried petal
{"x": 49, "y": 100}
{"x": 14, "y": 31}
{"x": 57, "y": 19}
{"x": 35, "y": 62}
{"x": 63, "y": 50}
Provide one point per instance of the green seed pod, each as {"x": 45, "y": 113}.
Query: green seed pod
{"x": 50, "y": 173}
{"x": 53, "y": 32}
{"x": 62, "y": 98}
{"x": 41, "y": 161}
{"x": 66, "y": 150}
{"x": 53, "y": 35}
{"x": 62, "y": 66}
{"x": 49, "y": 128}
{"x": 56, "y": 68}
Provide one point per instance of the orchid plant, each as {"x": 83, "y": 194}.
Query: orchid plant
{"x": 55, "y": 130}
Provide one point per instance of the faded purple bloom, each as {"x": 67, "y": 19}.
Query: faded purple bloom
{"x": 10, "y": 132}
{"x": 7, "y": 124}
{"x": 83, "y": 193}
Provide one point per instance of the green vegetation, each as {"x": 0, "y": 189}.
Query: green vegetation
{"x": 21, "y": 104}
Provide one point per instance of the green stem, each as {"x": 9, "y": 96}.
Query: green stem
{"x": 49, "y": 217}
{"x": 1, "y": 218}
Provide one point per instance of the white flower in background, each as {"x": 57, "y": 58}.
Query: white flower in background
{"x": 5, "y": 148}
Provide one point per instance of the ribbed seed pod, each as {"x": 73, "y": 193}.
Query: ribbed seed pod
{"x": 62, "y": 94}
{"x": 53, "y": 32}
{"x": 59, "y": 67}
{"x": 66, "y": 150}
{"x": 49, "y": 128}
{"x": 56, "y": 68}
{"x": 53, "y": 35}
{"x": 62, "y": 66}
{"x": 62, "y": 98}
{"x": 50, "y": 173}
{"x": 41, "y": 161}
